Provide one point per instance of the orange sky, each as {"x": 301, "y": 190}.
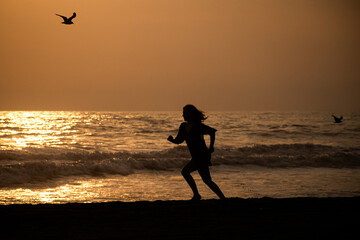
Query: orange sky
{"x": 163, "y": 54}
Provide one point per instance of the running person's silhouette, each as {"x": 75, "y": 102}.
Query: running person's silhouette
{"x": 192, "y": 131}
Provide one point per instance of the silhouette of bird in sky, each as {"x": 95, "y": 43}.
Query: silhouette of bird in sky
{"x": 337, "y": 120}
{"x": 67, "y": 20}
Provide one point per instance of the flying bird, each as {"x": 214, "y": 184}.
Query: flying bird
{"x": 67, "y": 20}
{"x": 337, "y": 120}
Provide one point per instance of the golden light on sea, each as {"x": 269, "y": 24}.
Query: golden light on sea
{"x": 37, "y": 129}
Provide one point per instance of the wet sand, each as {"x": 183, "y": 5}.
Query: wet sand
{"x": 265, "y": 218}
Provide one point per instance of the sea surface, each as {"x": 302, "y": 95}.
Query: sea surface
{"x": 62, "y": 157}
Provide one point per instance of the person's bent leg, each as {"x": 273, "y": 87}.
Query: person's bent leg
{"x": 190, "y": 167}
{"x": 206, "y": 177}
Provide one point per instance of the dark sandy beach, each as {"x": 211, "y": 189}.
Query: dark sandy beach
{"x": 265, "y": 218}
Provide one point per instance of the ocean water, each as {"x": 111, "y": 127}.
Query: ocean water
{"x": 61, "y": 157}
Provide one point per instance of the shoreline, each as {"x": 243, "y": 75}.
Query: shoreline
{"x": 236, "y": 218}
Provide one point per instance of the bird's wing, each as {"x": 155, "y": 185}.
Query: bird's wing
{"x": 65, "y": 18}
{"x": 341, "y": 118}
{"x": 73, "y": 16}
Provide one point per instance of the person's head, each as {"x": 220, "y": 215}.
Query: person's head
{"x": 192, "y": 114}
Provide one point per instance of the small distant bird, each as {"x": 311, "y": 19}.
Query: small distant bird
{"x": 67, "y": 20}
{"x": 337, "y": 120}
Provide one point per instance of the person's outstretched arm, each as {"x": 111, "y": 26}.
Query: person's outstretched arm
{"x": 175, "y": 140}
{"x": 212, "y": 142}
{"x": 179, "y": 138}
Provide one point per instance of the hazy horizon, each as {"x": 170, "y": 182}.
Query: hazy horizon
{"x": 160, "y": 55}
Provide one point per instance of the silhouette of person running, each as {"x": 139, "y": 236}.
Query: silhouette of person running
{"x": 192, "y": 131}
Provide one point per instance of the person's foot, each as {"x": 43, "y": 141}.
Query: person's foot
{"x": 195, "y": 198}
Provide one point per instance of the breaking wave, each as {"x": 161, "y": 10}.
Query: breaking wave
{"x": 39, "y": 165}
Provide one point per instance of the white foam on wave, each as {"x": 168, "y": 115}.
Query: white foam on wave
{"x": 39, "y": 165}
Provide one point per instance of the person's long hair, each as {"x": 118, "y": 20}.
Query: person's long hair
{"x": 196, "y": 115}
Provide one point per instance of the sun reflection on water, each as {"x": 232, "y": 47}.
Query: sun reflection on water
{"x": 36, "y": 129}
{"x": 62, "y": 194}
{"x": 97, "y": 131}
